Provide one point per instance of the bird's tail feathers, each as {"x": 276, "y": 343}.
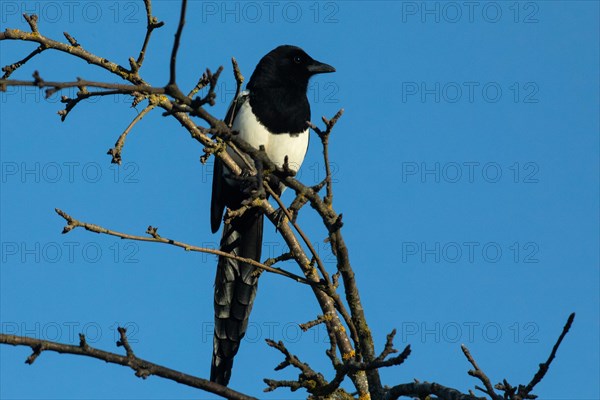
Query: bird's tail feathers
{"x": 235, "y": 290}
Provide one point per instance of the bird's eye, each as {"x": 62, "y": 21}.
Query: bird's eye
{"x": 297, "y": 59}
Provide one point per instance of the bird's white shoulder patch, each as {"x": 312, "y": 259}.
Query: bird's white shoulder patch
{"x": 277, "y": 146}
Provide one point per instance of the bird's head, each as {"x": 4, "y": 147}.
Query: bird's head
{"x": 286, "y": 66}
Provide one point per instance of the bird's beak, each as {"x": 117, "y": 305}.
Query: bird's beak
{"x": 317, "y": 67}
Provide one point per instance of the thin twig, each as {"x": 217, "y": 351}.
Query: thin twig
{"x": 308, "y": 378}
{"x": 202, "y": 82}
{"x": 115, "y": 152}
{"x": 151, "y": 24}
{"x": 389, "y": 346}
{"x": 207, "y": 78}
{"x": 239, "y": 78}
{"x": 545, "y": 366}
{"x": 380, "y": 363}
{"x": 324, "y": 136}
{"x": 32, "y": 21}
{"x": 282, "y": 257}
{"x": 123, "y": 341}
{"x": 311, "y": 324}
{"x": 82, "y": 94}
{"x": 173, "y": 68}
{"x": 9, "y": 69}
{"x": 71, "y": 39}
{"x": 72, "y": 223}
{"x": 479, "y": 374}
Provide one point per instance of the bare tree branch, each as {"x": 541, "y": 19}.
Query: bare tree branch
{"x": 151, "y": 25}
{"x": 239, "y": 80}
{"x": 73, "y": 223}
{"x": 308, "y": 378}
{"x": 77, "y": 51}
{"x": 115, "y": 152}
{"x": 305, "y": 238}
{"x": 9, "y": 69}
{"x": 57, "y": 86}
{"x": 545, "y": 366}
{"x": 479, "y": 374}
{"x": 173, "y": 68}
{"x": 142, "y": 368}
{"x": 524, "y": 392}
{"x": 425, "y": 389}
{"x": 326, "y": 303}
{"x": 324, "y": 136}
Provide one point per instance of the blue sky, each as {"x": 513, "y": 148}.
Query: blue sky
{"x": 466, "y": 167}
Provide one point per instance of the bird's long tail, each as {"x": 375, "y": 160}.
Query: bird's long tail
{"x": 235, "y": 289}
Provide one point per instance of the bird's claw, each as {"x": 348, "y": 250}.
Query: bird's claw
{"x": 278, "y": 217}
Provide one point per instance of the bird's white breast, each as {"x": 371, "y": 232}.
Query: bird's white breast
{"x": 277, "y": 146}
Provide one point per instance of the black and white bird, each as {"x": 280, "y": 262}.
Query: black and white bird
{"x": 273, "y": 112}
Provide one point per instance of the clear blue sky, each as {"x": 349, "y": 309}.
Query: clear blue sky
{"x": 466, "y": 167}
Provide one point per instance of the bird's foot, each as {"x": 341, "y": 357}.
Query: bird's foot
{"x": 280, "y": 217}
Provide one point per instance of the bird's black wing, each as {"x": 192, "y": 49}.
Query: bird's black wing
{"x": 221, "y": 192}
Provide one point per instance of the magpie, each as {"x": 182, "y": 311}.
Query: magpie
{"x": 272, "y": 112}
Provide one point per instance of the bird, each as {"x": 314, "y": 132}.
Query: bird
{"x": 272, "y": 112}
